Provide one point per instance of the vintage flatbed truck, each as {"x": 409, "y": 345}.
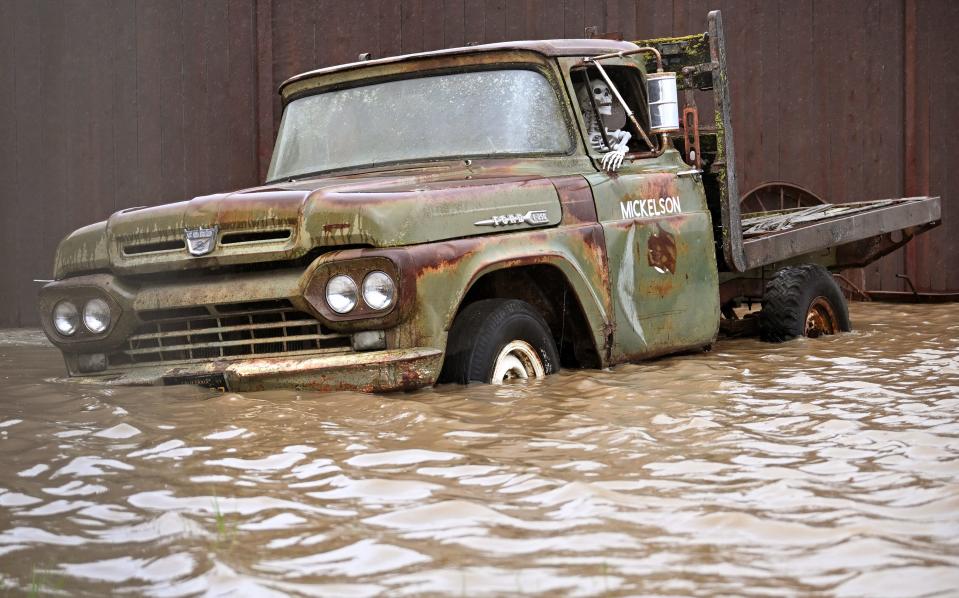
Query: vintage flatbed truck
{"x": 460, "y": 215}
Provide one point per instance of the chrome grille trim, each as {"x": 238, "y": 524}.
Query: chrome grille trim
{"x": 224, "y": 344}
{"x": 221, "y": 329}
{"x": 263, "y": 329}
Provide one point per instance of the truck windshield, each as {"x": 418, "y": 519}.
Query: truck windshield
{"x": 464, "y": 114}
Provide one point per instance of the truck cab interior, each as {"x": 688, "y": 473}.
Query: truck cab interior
{"x": 628, "y": 81}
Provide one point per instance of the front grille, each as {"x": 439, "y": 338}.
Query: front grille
{"x": 138, "y": 249}
{"x": 255, "y": 236}
{"x": 256, "y": 329}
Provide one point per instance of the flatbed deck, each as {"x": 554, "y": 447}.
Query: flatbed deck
{"x": 772, "y": 237}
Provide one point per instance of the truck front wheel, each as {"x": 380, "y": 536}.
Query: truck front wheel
{"x": 495, "y": 340}
{"x": 802, "y": 301}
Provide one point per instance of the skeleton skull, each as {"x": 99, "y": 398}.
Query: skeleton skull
{"x": 602, "y": 96}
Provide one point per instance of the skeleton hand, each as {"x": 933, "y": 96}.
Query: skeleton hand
{"x": 613, "y": 159}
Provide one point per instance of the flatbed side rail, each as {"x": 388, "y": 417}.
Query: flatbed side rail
{"x": 860, "y": 232}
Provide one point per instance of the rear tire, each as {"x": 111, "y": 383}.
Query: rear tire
{"x": 494, "y": 340}
{"x": 802, "y": 301}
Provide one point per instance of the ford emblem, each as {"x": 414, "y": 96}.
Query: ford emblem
{"x": 200, "y": 240}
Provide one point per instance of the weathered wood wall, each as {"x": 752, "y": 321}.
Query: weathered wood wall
{"x": 110, "y": 104}
{"x": 106, "y": 105}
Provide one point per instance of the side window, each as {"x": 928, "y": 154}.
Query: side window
{"x": 601, "y": 110}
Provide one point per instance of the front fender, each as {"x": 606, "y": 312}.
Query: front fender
{"x": 445, "y": 272}
{"x": 434, "y": 278}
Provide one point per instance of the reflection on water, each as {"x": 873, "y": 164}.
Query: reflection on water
{"x": 826, "y": 466}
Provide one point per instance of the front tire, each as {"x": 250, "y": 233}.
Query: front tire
{"x": 496, "y": 340}
{"x": 802, "y": 301}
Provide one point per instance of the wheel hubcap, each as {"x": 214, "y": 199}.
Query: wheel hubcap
{"x": 820, "y": 319}
{"x": 517, "y": 360}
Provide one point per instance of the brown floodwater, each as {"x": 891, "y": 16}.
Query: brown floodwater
{"x": 823, "y": 467}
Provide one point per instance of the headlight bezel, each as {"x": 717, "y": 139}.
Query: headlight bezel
{"x": 79, "y": 291}
{"x": 357, "y": 264}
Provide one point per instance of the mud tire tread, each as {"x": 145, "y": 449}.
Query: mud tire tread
{"x": 483, "y": 328}
{"x": 787, "y": 297}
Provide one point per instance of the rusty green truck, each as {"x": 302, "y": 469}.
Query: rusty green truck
{"x": 472, "y": 214}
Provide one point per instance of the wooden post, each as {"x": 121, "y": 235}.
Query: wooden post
{"x": 915, "y": 132}
{"x": 265, "y": 86}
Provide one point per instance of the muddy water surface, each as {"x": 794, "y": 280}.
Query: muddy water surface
{"x": 814, "y": 467}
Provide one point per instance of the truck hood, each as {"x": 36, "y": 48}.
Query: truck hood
{"x": 287, "y": 221}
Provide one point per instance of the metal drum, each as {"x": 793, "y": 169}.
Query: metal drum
{"x": 663, "y": 107}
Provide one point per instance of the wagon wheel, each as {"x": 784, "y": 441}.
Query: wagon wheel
{"x": 776, "y": 196}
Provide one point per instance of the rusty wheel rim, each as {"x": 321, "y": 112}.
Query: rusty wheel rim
{"x": 820, "y": 319}
{"x": 517, "y": 361}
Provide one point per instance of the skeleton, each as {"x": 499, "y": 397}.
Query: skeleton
{"x": 604, "y": 105}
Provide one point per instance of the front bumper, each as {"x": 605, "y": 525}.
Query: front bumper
{"x": 373, "y": 371}
{"x": 244, "y": 331}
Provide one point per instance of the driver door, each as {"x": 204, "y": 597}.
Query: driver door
{"x": 659, "y": 239}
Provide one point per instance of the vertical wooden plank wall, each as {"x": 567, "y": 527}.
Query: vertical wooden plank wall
{"x": 107, "y": 105}
{"x": 932, "y": 109}
{"x": 9, "y": 269}
{"x": 140, "y": 102}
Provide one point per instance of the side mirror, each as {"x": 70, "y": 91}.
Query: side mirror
{"x": 663, "y": 106}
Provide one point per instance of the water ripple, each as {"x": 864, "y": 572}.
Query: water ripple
{"x": 822, "y": 467}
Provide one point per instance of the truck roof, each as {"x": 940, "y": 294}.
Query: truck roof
{"x": 547, "y": 47}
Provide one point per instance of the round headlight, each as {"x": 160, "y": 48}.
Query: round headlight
{"x": 66, "y": 318}
{"x": 341, "y": 294}
{"x": 378, "y": 290}
{"x": 96, "y": 315}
